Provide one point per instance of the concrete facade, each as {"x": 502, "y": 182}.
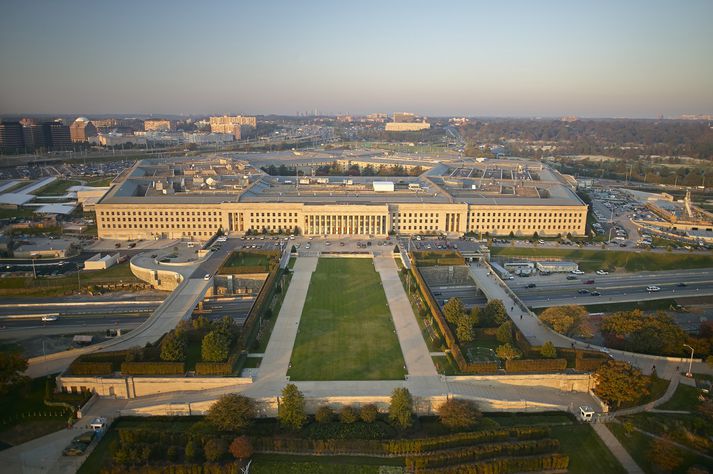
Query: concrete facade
{"x": 132, "y": 387}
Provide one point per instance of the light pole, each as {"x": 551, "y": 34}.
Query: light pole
{"x": 611, "y": 229}
{"x": 690, "y": 361}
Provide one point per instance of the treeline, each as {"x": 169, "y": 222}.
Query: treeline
{"x": 613, "y": 137}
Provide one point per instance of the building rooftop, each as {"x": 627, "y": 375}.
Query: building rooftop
{"x": 237, "y": 177}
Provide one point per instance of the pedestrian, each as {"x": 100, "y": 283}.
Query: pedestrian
{"x": 520, "y": 315}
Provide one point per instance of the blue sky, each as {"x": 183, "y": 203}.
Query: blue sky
{"x": 510, "y": 58}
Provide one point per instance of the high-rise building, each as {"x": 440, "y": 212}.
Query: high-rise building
{"x": 231, "y": 124}
{"x": 56, "y": 135}
{"x": 11, "y": 138}
{"x": 159, "y": 125}
{"x": 81, "y": 129}
{"x": 33, "y": 136}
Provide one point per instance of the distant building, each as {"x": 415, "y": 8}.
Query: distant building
{"x": 407, "y": 126}
{"x": 11, "y": 137}
{"x": 569, "y": 118}
{"x": 97, "y": 262}
{"x": 344, "y": 118}
{"x": 378, "y": 118}
{"x": 56, "y": 135}
{"x": 208, "y": 138}
{"x": 159, "y": 125}
{"x": 81, "y": 129}
{"x": 33, "y": 136}
{"x": 405, "y": 117}
{"x": 113, "y": 139}
{"x": 231, "y": 124}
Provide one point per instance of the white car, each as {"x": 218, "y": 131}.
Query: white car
{"x": 577, "y": 272}
{"x": 206, "y": 277}
{"x": 602, "y": 272}
{"x": 49, "y": 318}
{"x": 652, "y": 289}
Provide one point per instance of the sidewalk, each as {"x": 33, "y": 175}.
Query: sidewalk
{"x": 616, "y": 448}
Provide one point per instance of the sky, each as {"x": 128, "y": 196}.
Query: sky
{"x": 633, "y": 58}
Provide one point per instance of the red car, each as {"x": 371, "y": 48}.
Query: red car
{"x": 589, "y": 282}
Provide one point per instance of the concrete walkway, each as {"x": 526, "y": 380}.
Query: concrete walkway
{"x": 416, "y": 353}
{"x": 276, "y": 359}
{"x": 670, "y": 391}
{"x": 617, "y": 449}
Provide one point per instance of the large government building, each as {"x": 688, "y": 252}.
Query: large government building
{"x": 194, "y": 199}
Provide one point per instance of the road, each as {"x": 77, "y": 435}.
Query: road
{"x": 555, "y": 289}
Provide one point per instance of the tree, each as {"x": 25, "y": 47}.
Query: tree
{"x": 368, "y": 413}
{"x": 507, "y": 352}
{"x": 493, "y": 314}
{"x": 665, "y": 455}
{"x": 464, "y": 328}
{"x": 232, "y": 412}
{"x": 12, "y": 366}
{"x": 215, "y": 347}
{"x": 324, "y": 414}
{"x": 241, "y": 448}
{"x": 214, "y": 449}
{"x": 291, "y": 410}
{"x": 401, "y": 408}
{"x": 504, "y": 333}
{"x": 458, "y": 414}
{"x": 568, "y": 320}
{"x": 348, "y": 415}
{"x": 453, "y": 310}
{"x": 475, "y": 315}
{"x": 173, "y": 346}
{"x": 617, "y": 382}
{"x": 548, "y": 350}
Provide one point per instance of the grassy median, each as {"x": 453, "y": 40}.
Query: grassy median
{"x": 346, "y": 331}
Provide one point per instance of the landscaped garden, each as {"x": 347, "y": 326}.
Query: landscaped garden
{"x": 249, "y": 262}
{"x": 346, "y": 331}
{"x": 351, "y": 439}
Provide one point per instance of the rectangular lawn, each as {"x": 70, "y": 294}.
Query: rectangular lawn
{"x": 346, "y": 331}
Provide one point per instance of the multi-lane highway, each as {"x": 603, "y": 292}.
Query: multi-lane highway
{"x": 613, "y": 288}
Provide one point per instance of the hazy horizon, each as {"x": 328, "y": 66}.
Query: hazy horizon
{"x": 522, "y": 59}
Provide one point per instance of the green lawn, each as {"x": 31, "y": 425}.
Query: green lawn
{"x": 20, "y": 212}
{"x": 590, "y": 260}
{"x": 587, "y": 453}
{"x": 248, "y": 262}
{"x": 346, "y": 331}
{"x": 685, "y": 398}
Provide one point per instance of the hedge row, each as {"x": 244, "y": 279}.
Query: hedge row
{"x": 203, "y": 468}
{"x": 424, "y": 445}
{"x": 153, "y": 368}
{"x": 535, "y": 365}
{"x": 218, "y": 368}
{"x": 483, "y": 451}
{"x": 90, "y": 368}
{"x": 480, "y": 367}
{"x": 398, "y": 447}
{"x": 547, "y": 462}
{"x": 261, "y": 303}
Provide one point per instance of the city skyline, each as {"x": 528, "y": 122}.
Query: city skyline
{"x": 550, "y": 59}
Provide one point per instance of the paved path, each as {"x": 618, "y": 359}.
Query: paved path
{"x": 276, "y": 359}
{"x": 670, "y": 391}
{"x": 617, "y": 449}
{"x": 414, "y": 348}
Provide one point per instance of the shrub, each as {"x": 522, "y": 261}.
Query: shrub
{"x": 215, "y": 346}
{"x": 90, "y": 368}
{"x": 458, "y": 414}
{"x": 348, "y": 415}
{"x": 507, "y": 352}
{"x": 548, "y": 350}
{"x": 215, "y": 449}
{"x": 369, "y": 413}
{"x": 504, "y": 333}
{"x": 232, "y": 412}
{"x": 241, "y": 448}
{"x": 324, "y": 414}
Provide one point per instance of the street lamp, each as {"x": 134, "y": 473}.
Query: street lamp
{"x": 690, "y": 362}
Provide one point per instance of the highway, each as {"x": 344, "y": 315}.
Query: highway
{"x": 555, "y": 289}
